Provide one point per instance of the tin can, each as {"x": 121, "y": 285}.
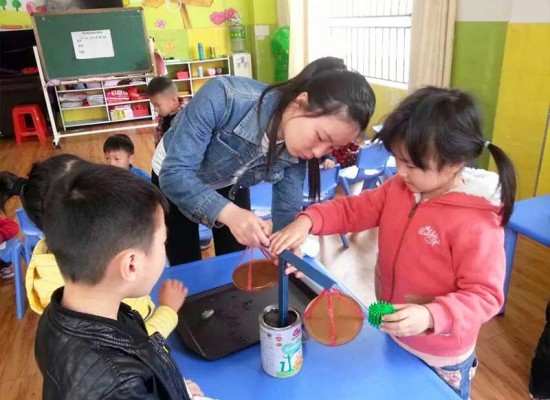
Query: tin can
{"x": 200, "y": 71}
{"x": 281, "y": 348}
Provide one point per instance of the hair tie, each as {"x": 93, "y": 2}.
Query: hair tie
{"x": 17, "y": 188}
{"x": 486, "y": 144}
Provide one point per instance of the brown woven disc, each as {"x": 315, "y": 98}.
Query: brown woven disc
{"x": 264, "y": 275}
{"x": 348, "y": 319}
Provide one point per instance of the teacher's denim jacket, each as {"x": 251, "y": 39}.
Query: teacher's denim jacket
{"x": 215, "y": 135}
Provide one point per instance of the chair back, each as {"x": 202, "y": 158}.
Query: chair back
{"x": 260, "y": 199}
{"x": 28, "y": 228}
{"x": 328, "y": 184}
{"x": 373, "y": 156}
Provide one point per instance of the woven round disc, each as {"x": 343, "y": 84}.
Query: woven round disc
{"x": 348, "y": 319}
{"x": 264, "y": 275}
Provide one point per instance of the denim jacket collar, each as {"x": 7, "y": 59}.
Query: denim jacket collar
{"x": 248, "y": 128}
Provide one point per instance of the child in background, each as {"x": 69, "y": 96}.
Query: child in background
{"x": 43, "y": 275}
{"x": 89, "y": 344}
{"x": 8, "y": 230}
{"x": 119, "y": 152}
{"x": 441, "y": 237}
{"x": 163, "y": 94}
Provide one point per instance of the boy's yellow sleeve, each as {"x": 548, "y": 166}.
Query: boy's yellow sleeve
{"x": 163, "y": 320}
{"x": 42, "y": 279}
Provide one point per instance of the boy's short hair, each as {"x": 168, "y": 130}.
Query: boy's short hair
{"x": 117, "y": 142}
{"x": 94, "y": 213}
{"x": 159, "y": 85}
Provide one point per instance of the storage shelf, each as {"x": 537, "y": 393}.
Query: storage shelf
{"x": 198, "y": 78}
{"x": 79, "y": 90}
{"x": 128, "y": 102}
{"x": 206, "y": 60}
{"x": 131, "y": 119}
{"x": 122, "y": 86}
{"x": 81, "y": 107}
{"x": 86, "y": 122}
{"x": 142, "y": 81}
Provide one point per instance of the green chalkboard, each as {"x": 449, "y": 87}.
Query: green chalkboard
{"x": 113, "y": 40}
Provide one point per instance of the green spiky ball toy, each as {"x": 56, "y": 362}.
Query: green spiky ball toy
{"x": 377, "y": 311}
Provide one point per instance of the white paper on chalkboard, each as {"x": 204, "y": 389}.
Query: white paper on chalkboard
{"x": 93, "y": 44}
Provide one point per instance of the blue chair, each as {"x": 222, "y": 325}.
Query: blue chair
{"x": 260, "y": 199}
{"x": 370, "y": 167}
{"x": 391, "y": 167}
{"x": 205, "y": 235}
{"x": 531, "y": 218}
{"x": 31, "y": 233}
{"x": 329, "y": 183}
{"x": 12, "y": 253}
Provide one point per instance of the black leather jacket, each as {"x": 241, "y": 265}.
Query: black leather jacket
{"x": 83, "y": 356}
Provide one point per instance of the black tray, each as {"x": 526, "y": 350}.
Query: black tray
{"x": 234, "y": 324}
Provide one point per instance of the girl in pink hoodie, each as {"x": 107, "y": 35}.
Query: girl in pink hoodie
{"x": 441, "y": 237}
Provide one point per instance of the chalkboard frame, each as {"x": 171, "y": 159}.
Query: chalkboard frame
{"x": 43, "y": 59}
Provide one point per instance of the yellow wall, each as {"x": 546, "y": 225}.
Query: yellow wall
{"x": 387, "y": 98}
{"x": 523, "y": 101}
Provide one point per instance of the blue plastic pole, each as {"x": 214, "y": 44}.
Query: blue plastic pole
{"x": 283, "y": 293}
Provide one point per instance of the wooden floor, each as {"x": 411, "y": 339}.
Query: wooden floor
{"x": 505, "y": 346}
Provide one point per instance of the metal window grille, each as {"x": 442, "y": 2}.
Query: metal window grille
{"x": 372, "y": 36}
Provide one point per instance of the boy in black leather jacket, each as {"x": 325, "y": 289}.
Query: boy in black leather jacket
{"x": 105, "y": 227}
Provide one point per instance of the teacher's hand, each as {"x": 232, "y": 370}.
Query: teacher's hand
{"x": 247, "y": 227}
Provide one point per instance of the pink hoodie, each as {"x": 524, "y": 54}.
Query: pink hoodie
{"x": 446, "y": 253}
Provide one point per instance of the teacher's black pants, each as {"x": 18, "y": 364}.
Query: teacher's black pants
{"x": 183, "y": 240}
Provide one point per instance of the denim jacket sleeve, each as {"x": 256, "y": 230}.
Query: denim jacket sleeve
{"x": 287, "y": 196}
{"x": 191, "y": 135}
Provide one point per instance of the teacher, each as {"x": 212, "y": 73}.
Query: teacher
{"x": 237, "y": 132}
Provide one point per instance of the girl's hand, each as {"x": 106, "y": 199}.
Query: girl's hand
{"x": 290, "y": 269}
{"x": 328, "y": 164}
{"x": 408, "y": 320}
{"x": 291, "y": 236}
{"x": 247, "y": 227}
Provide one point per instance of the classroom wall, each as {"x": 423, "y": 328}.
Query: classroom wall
{"x": 164, "y": 22}
{"x": 524, "y": 95}
{"x": 17, "y": 12}
{"x": 501, "y": 56}
{"x": 387, "y": 98}
{"x": 480, "y": 37}
{"x": 264, "y": 17}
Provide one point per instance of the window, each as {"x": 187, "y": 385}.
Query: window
{"x": 372, "y": 36}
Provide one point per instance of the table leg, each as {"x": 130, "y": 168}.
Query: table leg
{"x": 510, "y": 240}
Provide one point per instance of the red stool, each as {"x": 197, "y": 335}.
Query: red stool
{"x": 29, "y": 113}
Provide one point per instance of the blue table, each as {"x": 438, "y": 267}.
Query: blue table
{"x": 531, "y": 218}
{"x": 372, "y": 366}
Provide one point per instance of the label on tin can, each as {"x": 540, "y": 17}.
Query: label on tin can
{"x": 281, "y": 349}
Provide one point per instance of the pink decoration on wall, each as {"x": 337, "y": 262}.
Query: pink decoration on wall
{"x": 32, "y": 8}
{"x": 217, "y": 18}
{"x": 160, "y": 23}
{"x": 230, "y": 13}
